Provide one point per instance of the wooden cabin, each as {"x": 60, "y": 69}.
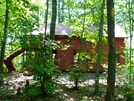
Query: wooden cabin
{"x": 67, "y": 56}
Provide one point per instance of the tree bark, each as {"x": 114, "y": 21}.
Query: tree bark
{"x": 62, "y": 13}
{"x": 53, "y": 24}
{"x": 46, "y": 17}
{"x": 59, "y": 14}
{"x": 130, "y": 31}
{"x": 69, "y": 14}
{"x": 111, "y": 56}
{"x": 4, "y": 40}
{"x": 53, "y": 19}
{"x": 80, "y": 47}
{"x": 99, "y": 48}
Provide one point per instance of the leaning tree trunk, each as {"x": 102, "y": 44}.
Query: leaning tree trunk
{"x": 111, "y": 56}
{"x": 4, "y": 39}
{"x": 99, "y": 49}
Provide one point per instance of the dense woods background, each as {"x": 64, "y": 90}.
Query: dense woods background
{"x": 18, "y": 19}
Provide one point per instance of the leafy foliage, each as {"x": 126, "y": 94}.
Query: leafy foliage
{"x": 25, "y": 16}
{"x": 42, "y": 67}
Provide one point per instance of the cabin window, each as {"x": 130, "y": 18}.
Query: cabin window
{"x": 75, "y": 56}
{"x": 82, "y": 57}
{"x": 54, "y": 52}
{"x": 69, "y": 39}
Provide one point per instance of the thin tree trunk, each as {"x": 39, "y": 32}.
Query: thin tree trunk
{"x": 53, "y": 19}
{"x": 130, "y": 31}
{"x": 42, "y": 81}
{"x": 83, "y": 29}
{"x": 62, "y": 16}
{"x": 99, "y": 48}
{"x": 4, "y": 40}
{"x": 59, "y": 14}
{"x": 5, "y": 36}
{"x": 79, "y": 54}
{"x": 46, "y": 17}
{"x": 111, "y": 56}
{"x": 69, "y": 14}
{"x": 52, "y": 34}
{"x": 53, "y": 25}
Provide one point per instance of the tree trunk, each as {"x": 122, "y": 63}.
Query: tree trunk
{"x": 80, "y": 47}
{"x": 52, "y": 34}
{"x": 69, "y": 14}
{"x": 4, "y": 40}
{"x": 59, "y": 14}
{"x": 62, "y": 13}
{"x": 53, "y": 24}
{"x": 130, "y": 31}
{"x": 42, "y": 81}
{"x": 53, "y": 19}
{"x": 46, "y": 17}
{"x": 111, "y": 56}
{"x": 99, "y": 48}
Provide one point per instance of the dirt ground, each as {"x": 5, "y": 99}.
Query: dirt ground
{"x": 64, "y": 91}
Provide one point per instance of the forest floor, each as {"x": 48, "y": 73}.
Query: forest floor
{"x": 64, "y": 92}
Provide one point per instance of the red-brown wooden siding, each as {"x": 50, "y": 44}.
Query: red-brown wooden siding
{"x": 65, "y": 57}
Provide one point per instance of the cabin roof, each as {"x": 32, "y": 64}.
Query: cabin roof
{"x": 62, "y": 29}
{"x": 119, "y": 32}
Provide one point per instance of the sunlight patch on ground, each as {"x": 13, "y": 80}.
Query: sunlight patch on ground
{"x": 87, "y": 82}
{"x": 16, "y": 81}
{"x": 65, "y": 86}
{"x": 69, "y": 99}
{"x": 59, "y": 90}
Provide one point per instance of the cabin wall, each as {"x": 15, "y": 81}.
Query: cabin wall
{"x": 119, "y": 48}
{"x": 66, "y": 57}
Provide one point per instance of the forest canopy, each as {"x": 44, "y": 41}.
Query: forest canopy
{"x": 81, "y": 31}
